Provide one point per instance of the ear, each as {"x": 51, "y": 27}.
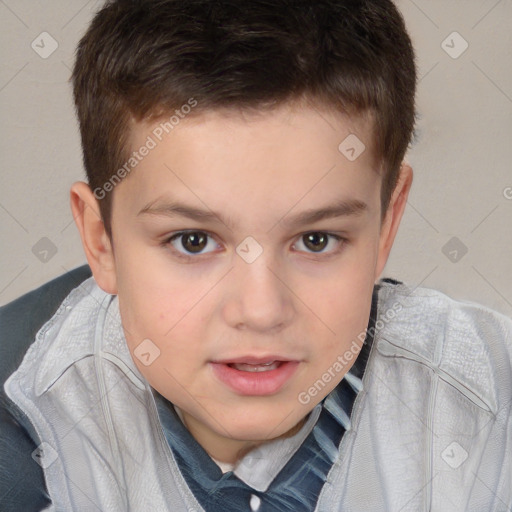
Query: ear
{"x": 97, "y": 246}
{"x": 393, "y": 217}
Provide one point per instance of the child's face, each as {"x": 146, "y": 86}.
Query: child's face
{"x": 244, "y": 187}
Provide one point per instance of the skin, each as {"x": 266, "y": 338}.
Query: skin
{"x": 304, "y": 302}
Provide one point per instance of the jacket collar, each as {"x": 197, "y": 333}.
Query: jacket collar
{"x": 87, "y": 313}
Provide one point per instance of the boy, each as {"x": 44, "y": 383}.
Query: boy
{"x": 232, "y": 350}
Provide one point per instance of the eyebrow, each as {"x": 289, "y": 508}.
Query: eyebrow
{"x": 342, "y": 208}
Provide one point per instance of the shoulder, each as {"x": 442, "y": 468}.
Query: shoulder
{"x": 22, "y": 318}
{"x": 22, "y": 485}
{"x": 468, "y": 343}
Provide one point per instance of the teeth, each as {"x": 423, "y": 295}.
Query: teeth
{"x": 264, "y": 367}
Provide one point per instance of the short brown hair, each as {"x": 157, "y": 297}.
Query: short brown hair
{"x": 142, "y": 59}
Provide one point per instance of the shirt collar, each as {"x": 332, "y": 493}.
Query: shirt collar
{"x": 260, "y": 466}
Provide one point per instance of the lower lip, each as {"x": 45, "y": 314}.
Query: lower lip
{"x": 255, "y": 383}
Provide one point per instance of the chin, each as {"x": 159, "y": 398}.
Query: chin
{"x": 259, "y": 428}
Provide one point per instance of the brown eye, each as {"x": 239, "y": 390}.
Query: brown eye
{"x": 316, "y": 242}
{"x": 194, "y": 242}
{"x": 191, "y": 245}
{"x": 320, "y": 243}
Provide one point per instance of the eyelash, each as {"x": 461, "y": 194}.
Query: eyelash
{"x": 167, "y": 243}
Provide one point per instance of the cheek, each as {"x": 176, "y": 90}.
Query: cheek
{"x": 168, "y": 312}
{"x": 153, "y": 297}
{"x": 172, "y": 331}
{"x": 344, "y": 301}
{"x": 161, "y": 312}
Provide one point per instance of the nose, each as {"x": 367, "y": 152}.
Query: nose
{"x": 259, "y": 298}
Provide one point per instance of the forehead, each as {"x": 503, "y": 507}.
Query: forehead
{"x": 276, "y": 158}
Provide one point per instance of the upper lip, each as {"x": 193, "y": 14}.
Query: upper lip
{"x": 250, "y": 359}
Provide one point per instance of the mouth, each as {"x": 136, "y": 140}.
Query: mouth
{"x": 260, "y": 367}
{"x": 255, "y": 366}
{"x": 255, "y": 376}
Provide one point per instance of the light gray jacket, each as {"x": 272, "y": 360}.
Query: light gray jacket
{"x": 430, "y": 431}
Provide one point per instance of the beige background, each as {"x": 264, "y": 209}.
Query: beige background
{"x": 462, "y": 194}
